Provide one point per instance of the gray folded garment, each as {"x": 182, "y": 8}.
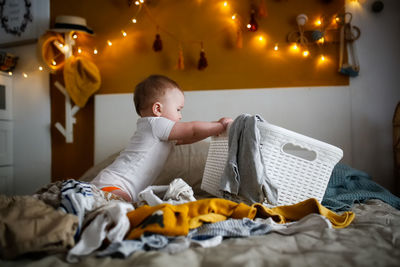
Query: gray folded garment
{"x": 245, "y": 173}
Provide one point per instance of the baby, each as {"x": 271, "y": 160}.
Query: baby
{"x": 159, "y": 102}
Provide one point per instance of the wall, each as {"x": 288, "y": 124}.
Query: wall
{"x": 375, "y": 93}
{"x": 371, "y": 98}
{"x": 31, "y": 108}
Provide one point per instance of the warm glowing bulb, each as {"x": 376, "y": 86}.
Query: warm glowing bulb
{"x": 61, "y": 45}
{"x": 124, "y": 33}
{"x": 225, "y": 3}
{"x": 306, "y": 53}
{"x": 74, "y": 36}
{"x": 318, "y": 22}
{"x": 142, "y": 1}
{"x": 295, "y": 47}
{"x": 66, "y": 48}
{"x": 25, "y": 75}
{"x": 40, "y": 68}
{"x": 134, "y": 20}
{"x": 322, "y": 58}
{"x": 95, "y": 51}
{"x": 260, "y": 38}
{"x": 137, "y": 3}
{"x": 10, "y": 73}
{"x": 321, "y": 40}
{"x": 53, "y": 62}
{"x": 248, "y": 26}
{"x": 233, "y": 16}
{"x": 79, "y": 50}
{"x": 109, "y": 43}
{"x": 276, "y": 47}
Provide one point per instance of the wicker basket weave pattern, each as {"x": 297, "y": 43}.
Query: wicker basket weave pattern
{"x": 297, "y": 178}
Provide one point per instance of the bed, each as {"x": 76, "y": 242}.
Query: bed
{"x": 371, "y": 239}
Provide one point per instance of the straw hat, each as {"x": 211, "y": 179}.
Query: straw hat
{"x": 81, "y": 78}
{"x": 71, "y": 23}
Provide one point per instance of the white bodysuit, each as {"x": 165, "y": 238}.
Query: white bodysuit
{"x": 139, "y": 164}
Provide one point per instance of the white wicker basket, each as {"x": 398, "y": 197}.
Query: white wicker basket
{"x": 297, "y": 175}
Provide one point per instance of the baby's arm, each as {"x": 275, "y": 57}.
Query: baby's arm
{"x": 190, "y": 132}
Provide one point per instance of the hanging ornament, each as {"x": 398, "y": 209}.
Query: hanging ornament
{"x": 157, "y": 45}
{"x": 180, "y": 65}
{"x": 239, "y": 38}
{"x": 262, "y": 9}
{"x": 253, "y": 25}
{"x": 203, "y": 60}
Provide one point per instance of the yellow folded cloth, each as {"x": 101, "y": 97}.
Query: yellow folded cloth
{"x": 284, "y": 214}
{"x": 176, "y": 220}
{"x": 82, "y": 79}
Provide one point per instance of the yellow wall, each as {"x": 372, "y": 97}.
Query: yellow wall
{"x": 131, "y": 59}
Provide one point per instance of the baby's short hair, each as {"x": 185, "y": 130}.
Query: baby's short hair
{"x": 150, "y": 90}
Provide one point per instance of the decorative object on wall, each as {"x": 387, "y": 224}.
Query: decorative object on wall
{"x": 203, "y": 63}
{"x": 20, "y": 21}
{"x": 252, "y": 25}
{"x": 181, "y": 62}
{"x": 81, "y": 76}
{"x": 348, "y": 35}
{"x": 377, "y": 6}
{"x": 8, "y": 61}
{"x": 157, "y": 45}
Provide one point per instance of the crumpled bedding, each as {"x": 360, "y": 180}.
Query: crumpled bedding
{"x": 373, "y": 239}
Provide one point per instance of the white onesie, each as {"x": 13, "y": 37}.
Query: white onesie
{"x": 139, "y": 164}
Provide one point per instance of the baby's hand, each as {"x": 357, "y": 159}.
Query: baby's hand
{"x": 225, "y": 121}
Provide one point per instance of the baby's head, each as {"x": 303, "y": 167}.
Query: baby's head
{"x": 159, "y": 96}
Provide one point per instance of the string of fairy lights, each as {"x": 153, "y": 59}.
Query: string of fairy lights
{"x": 296, "y": 41}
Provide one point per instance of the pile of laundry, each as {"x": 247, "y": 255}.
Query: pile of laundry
{"x": 79, "y": 219}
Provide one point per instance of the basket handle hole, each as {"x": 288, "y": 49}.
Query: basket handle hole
{"x": 299, "y": 152}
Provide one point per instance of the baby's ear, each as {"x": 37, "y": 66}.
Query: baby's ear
{"x": 157, "y": 109}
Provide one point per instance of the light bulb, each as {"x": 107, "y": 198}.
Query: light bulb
{"x": 322, "y": 58}
{"x": 10, "y": 73}
{"x": 66, "y": 48}
{"x": 142, "y": 1}
{"x": 109, "y": 43}
{"x": 25, "y": 75}
{"x": 134, "y": 20}
{"x": 40, "y": 68}
{"x": 137, "y": 3}
{"x": 233, "y": 16}
{"x": 225, "y": 3}
{"x": 95, "y": 51}
{"x": 75, "y": 36}
{"x": 124, "y": 33}
{"x": 306, "y": 53}
{"x": 53, "y": 62}
{"x": 276, "y": 47}
{"x": 79, "y": 50}
{"x": 318, "y": 22}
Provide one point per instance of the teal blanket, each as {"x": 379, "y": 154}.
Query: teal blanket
{"x": 347, "y": 186}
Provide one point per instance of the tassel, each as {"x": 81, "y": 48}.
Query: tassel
{"x": 157, "y": 45}
{"x": 253, "y": 25}
{"x": 203, "y": 60}
{"x": 239, "y": 38}
{"x": 262, "y": 9}
{"x": 180, "y": 65}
